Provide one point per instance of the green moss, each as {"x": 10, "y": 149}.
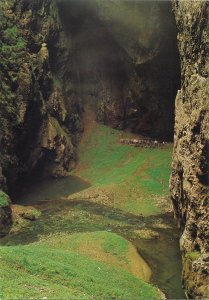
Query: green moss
{"x": 43, "y": 270}
{"x": 4, "y": 199}
{"x": 193, "y": 255}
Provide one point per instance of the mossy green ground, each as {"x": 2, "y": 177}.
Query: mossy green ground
{"x": 46, "y": 269}
{"x": 133, "y": 180}
{"x": 137, "y": 177}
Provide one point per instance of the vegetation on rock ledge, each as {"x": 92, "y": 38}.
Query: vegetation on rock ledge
{"x": 4, "y": 199}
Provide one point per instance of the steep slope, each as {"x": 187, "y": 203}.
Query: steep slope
{"x": 190, "y": 175}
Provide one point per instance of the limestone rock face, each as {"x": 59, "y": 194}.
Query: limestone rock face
{"x": 40, "y": 114}
{"x": 190, "y": 176}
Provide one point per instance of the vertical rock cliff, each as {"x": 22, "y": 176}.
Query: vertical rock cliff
{"x": 40, "y": 115}
{"x": 190, "y": 176}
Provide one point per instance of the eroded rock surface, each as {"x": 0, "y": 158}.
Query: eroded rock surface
{"x": 190, "y": 176}
{"x": 40, "y": 121}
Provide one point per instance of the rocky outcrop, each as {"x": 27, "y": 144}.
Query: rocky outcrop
{"x": 190, "y": 176}
{"x": 125, "y": 61}
{"x": 40, "y": 114}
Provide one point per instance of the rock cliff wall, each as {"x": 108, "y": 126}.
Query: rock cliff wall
{"x": 190, "y": 176}
{"x": 126, "y": 61}
{"x": 40, "y": 114}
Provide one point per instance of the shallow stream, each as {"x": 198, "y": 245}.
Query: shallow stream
{"x": 59, "y": 215}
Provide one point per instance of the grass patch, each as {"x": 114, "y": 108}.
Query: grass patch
{"x": 103, "y": 246}
{"x": 110, "y": 242}
{"x": 53, "y": 270}
{"x": 136, "y": 175}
